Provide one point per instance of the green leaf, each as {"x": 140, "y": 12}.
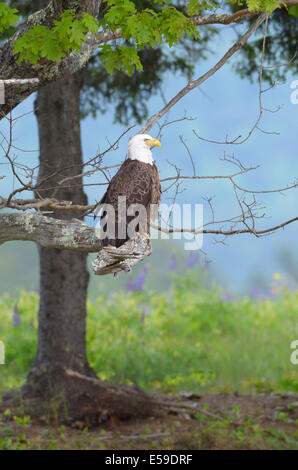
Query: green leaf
{"x": 8, "y": 17}
{"x": 293, "y": 11}
{"x": 51, "y": 50}
{"x": 263, "y": 5}
{"x": 120, "y": 58}
{"x": 194, "y": 7}
{"x": 68, "y": 33}
{"x": 89, "y": 22}
{"x": 77, "y": 35}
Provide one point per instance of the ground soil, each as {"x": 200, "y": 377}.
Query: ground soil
{"x": 221, "y": 421}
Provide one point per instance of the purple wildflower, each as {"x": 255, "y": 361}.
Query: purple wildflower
{"x": 226, "y": 297}
{"x": 173, "y": 263}
{"x": 16, "y": 319}
{"x": 255, "y": 292}
{"x": 138, "y": 284}
{"x": 206, "y": 264}
{"x": 192, "y": 259}
{"x": 129, "y": 286}
{"x": 292, "y": 287}
{"x": 269, "y": 293}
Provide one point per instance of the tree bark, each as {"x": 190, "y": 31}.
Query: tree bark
{"x": 61, "y": 384}
{"x": 48, "y": 232}
{"x": 63, "y": 274}
{"x": 44, "y": 71}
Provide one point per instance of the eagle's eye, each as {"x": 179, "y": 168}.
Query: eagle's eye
{"x": 152, "y": 142}
{"x": 148, "y": 142}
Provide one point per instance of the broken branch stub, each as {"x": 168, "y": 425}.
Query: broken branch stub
{"x": 112, "y": 260}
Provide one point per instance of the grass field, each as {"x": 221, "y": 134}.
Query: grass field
{"x": 185, "y": 340}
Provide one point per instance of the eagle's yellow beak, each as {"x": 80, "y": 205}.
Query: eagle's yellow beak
{"x": 153, "y": 143}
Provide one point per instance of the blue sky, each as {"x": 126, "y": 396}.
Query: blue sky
{"x": 224, "y": 105}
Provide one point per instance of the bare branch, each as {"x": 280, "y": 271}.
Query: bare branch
{"x": 111, "y": 260}
{"x": 195, "y": 83}
{"x": 189, "y": 154}
{"x": 47, "y": 203}
{"x": 226, "y": 233}
{"x": 239, "y": 16}
{"x": 238, "y": 140}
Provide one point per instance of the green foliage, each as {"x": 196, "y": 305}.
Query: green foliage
{"x": 263, "y": 5}
{"x": 141, "y": 26}
{"x": 130, "y": 94}
{"x": 186, "y": 339}
{"x": 18, "y": 358}
{"x": 66, "y": 35}
{"x": 147, "y": 27}
{"x": 119, "y": 58}
{"x": 293, "y": 11}
{"x": 144, "y": 28}
{"x": 259, "y": 5}
{"x": 8, "y": 17}
{"x": 194, "y": 7}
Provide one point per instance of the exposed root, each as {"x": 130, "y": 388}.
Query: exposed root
{"x": 81, "y": 399}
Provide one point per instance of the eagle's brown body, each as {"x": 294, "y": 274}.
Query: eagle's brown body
{"x": 139, "y": 183}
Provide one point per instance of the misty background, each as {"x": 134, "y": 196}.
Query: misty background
{"x": 224, "y": 106}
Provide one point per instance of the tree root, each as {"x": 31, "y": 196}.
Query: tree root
{"x": 78, "y": 399}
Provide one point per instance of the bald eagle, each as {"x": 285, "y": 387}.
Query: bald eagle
{"x": 137, "y": 181}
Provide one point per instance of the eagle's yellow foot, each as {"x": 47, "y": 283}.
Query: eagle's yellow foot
{"x": 146, "y": 235}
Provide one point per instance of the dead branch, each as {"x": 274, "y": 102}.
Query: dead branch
{"x": 238, "y": 140}
{"x": 239, "y": 16}
{"x": 111, "y": 260}
{"x": 195, "y": 83}
{"x": 226, "y": 233}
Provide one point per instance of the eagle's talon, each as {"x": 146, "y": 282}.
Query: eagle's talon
{"x": 147, "y": 236}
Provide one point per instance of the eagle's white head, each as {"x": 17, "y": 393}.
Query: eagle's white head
{"x": 139, "y": 148}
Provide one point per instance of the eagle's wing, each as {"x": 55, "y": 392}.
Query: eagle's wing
{"x": 134, "y": 181}
{"x": 155, "y": 193}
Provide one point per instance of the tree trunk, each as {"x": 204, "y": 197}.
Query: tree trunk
{"x": 61, "y": 383}
{"x": 63, "y": 274}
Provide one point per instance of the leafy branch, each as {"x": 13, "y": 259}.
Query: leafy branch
{"x": 54, "y": 44}
{"x": 65, "y": 38}
{"x": 8, "y": 17}
{"x": 165, "y": 23}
